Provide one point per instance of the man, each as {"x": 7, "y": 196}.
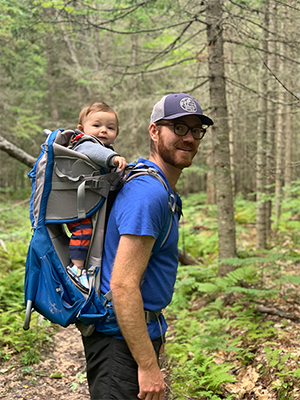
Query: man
{"x": 139, "y": 277}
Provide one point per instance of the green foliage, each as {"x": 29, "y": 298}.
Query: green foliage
{"x": 198, "y": 233}
{"x": 215, "y": 319}
{"x": 245, "y": 211}
{"x": 198, "y": 375}
{"x": 290, "y": 213}
{"x": 287, "y": 379}
{"x": 15, "y": 231}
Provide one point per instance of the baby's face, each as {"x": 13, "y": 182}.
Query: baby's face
{"x": 103, "y": 125}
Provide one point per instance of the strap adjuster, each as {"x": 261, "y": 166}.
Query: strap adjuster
{"x": 151, "y": 316}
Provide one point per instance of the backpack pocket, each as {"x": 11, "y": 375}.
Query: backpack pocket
{"x": 61, "y": 302}
{"x": 94, "y": 309}
{"x": 57, "y": 298}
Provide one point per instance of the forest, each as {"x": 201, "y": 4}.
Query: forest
{"x": 234, "y": 319}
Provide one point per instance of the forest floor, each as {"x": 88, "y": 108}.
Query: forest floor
{"x": 61, "y": 372}
{"x": 60, "y": 375}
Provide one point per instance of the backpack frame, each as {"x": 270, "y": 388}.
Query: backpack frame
{"x": 67, "y": 186}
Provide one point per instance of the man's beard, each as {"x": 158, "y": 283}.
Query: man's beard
{"x": 172, "y": 156}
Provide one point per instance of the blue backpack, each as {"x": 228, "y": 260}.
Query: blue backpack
{"x": 66, "y": 187}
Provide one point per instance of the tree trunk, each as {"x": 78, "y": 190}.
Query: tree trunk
{"x": 289, "y": 108}
{"x": 51, "y": 81}
{"x": 288, "y": 150}
{"x": 210, "y": 180}
{"x": 226, "y": 223}
{"x": 271, "y": 106}
{"x": 231, "y": 155}
{"x": 280, "y": 136}
{"x": 72, "y": 51}
{"x": 261, "y": 228}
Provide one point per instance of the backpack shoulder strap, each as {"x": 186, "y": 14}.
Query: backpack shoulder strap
{"x": 143, "y": 169}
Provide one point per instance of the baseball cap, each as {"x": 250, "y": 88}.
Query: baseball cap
{"x": 178, "y": 105}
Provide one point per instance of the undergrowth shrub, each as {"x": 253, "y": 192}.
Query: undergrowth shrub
{"x": 215, "y": 322}
{"x": 15, "y": 236}
{"x": 198, "y": 233}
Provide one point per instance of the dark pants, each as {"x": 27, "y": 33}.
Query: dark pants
{"x": 111, "y": 369}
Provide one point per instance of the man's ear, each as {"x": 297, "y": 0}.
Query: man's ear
{"x": 153, "y": 131}
{"x": 80, "y": 127}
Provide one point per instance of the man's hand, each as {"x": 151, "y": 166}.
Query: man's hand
{"x": 151, "y": 384}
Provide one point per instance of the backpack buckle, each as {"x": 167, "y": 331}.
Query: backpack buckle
{"x": 172, "y": 203}
{"x": 95, "y": 184}
{"x": 152, "y": 171}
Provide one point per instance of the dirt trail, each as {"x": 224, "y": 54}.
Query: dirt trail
{"x": 60, "y": 376}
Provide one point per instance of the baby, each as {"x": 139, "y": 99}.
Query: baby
{"x": 101, "y": 121}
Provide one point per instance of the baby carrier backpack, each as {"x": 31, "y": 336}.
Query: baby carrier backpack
{"x": 66, "y": 187}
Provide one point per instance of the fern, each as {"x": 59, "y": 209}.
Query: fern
{"x": 295, "y": 279}
{"x": 208, "y": 287}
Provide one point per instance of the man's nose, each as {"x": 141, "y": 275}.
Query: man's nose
{"x": 188, "y": 137}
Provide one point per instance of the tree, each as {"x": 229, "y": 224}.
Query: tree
{"x": 261, "y": 231}
{"x": 272, "y": 98}
{"x": 279, "y": 175}
{"x": 226, "y": 224}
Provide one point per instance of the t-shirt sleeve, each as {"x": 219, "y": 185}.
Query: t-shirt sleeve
{"x": 142, "y": 207}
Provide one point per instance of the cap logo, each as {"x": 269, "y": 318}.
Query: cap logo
{"x": 187, "y": 104}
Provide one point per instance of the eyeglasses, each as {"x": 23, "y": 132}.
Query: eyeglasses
{"x": 181, "y": 129}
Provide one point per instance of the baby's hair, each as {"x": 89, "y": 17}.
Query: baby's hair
{"x": 96, "y": 107}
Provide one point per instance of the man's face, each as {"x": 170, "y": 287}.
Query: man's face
{"x": 175, "y": 150}
{"x": 101, "y": 124}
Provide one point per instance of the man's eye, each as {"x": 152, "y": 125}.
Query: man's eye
{"x": 197, "y": 131}
{"x": 179, "y": 128}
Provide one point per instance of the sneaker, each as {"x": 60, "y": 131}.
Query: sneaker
{"x": 79, "y": 277}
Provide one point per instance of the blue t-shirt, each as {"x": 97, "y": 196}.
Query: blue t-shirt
{"x": 142, "y": 208}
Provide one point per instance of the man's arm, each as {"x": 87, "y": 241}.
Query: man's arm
{"x": 130, "y": 264}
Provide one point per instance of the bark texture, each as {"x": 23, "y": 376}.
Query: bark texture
{"x": 226, "y": 223}
{"x": 261, "y": 228}
{"x": 272, "y": 98}
{"x": 280, "y": 138}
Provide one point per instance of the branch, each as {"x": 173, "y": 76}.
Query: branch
{"x": 109, "y": 10}
{"x": 186, "y": 259}
{"x": 277, "y": 311}
{"x": 287, "y": 5}
{"x": 103, "y": 27}
{"x": 241, "y": 86}
{"x": 170, "y": 47}
{"x": 16, "y": 152}
{"x": 258, "y": 49}
{"x": 247, "y": 8}
{"x": 15, "y": 205}
{"x": 161, "y": 68}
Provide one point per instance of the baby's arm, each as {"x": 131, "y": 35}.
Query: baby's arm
{"x": 101, "y": 155}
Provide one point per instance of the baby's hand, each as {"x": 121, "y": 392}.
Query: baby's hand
{"x": 120, "y": 162}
